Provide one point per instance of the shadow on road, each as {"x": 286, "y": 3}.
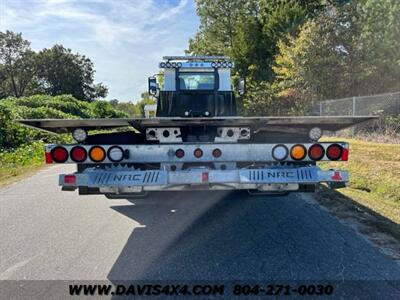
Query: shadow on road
{"x": 231, "y": 236}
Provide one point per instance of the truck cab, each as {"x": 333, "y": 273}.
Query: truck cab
{"x": 194, "y": 86}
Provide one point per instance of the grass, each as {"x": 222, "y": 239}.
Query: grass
{"x": 374, "y": 176}
{"x": 20, "y": 162}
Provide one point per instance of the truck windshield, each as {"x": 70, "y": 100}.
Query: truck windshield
{"x": 196, "y": 81}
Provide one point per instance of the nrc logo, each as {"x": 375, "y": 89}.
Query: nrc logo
{"x": 129, "y": 177}
{"x": 281, "y": 174}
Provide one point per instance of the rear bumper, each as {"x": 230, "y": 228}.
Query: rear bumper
{"x": 121, "y": 181}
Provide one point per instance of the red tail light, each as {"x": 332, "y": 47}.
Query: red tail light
{"x": 78, "y": 154}
{"x": 316, "y": 152}
{"x": 216, "y": 153}
{"x": 70, "y": 179}
{"x": 179, "y": 153}
{"x": 345, "y": 154}
{"x": 334, "y": 152}
{"x": 59, "y": 154}
{"x": 49, "y": 159}
{"x": 198, "y": 153}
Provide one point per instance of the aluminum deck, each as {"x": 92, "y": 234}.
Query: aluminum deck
{"x": 331, "y": 123}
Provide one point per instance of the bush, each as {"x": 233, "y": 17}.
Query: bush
{"x": 12, "y": 134}
{"x": 25, "y": 155}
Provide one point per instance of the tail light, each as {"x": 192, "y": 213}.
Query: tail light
{"x": 280, "y": 152}
{"x": 70, "y": 179}
{"x": 217, "y": 153}
{"x": 78, "y": 154}
{"x": 334, "y": 152}
{"x": 316, "y": 152}
{"x": 345, "y": 154}
{"x": 179, "y": 153}
{"x": 59, "y": 154}
{"x": 97, "y": 154}
{"x": 198, "y": 153}
{"x": 298, "y": 152}
{"x": 115, "y": 154}
{"x": 49, "y": 159}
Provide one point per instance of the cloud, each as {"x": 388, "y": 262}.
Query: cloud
{"x": 125, "y": 39}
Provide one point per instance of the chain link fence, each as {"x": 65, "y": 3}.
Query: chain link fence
{"x": 386, "y": 106}
{"x": 383, "y": 104}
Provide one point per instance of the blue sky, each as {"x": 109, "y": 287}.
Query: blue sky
{"x": 125, "y": 39}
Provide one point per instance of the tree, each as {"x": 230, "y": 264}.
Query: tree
{"x": 350, "y": 50}
{"x": 63, "y": 72}
{"x": 218, "y": 20}
{"x": 379, "y": 22}
{"x": 131, "y": 109}
{"x": 17, "y": 64}
{"x": 146, "y": 99}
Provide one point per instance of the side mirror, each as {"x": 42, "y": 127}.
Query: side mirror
{"x": 152, "y": 86}
{"x": 241, "y": 86}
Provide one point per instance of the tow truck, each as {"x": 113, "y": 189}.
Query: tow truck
{"x": 196, "y": 141}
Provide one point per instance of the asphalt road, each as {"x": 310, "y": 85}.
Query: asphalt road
{"x": 49, "y": 234}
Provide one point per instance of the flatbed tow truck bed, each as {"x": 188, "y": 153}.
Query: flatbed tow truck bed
{"x": 285, "y": 124}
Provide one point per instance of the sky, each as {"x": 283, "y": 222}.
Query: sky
{"x": 125, "y": 39}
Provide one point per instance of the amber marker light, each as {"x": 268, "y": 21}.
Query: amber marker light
{"x": 298, "y": 152}
{"x": 97, "y": 154}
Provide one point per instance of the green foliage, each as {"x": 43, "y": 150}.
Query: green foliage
{"x": 301, "y": 52}
{"x": 349, "y": 51}
{"x": 25, "y": 155}
{"x": 103, "y": 109}
{"x": 146, "y": 99}
{"x": 18, "y": 161}
{"x": 17, "y": 64}
{"x": 64, "y": 72}
{"x": 218, "y": 19}
{"x": 41, "y": 107}
{"x": 131, "y": 109}
{"x": 260, "y": 100}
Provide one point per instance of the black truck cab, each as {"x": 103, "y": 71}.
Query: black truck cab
{"x": 194, "y": 86}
